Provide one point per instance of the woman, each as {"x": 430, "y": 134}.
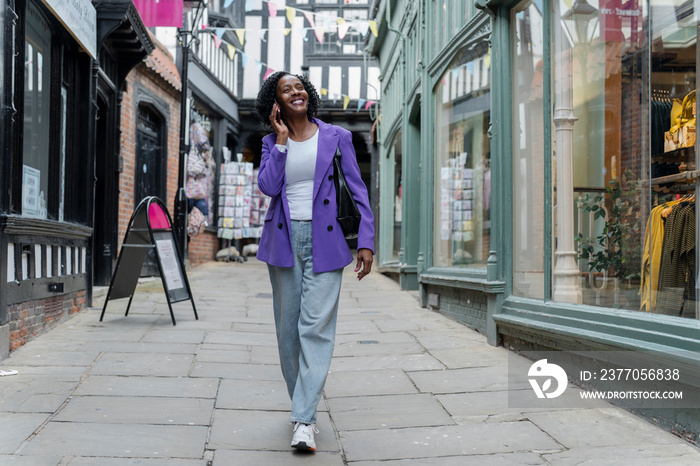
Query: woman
{"x": 302, "y": 242}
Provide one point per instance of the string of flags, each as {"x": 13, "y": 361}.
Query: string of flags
{"x": 327, "y": 23}
{"x": 246, "y": 60}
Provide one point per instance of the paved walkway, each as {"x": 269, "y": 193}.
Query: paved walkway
{"x": 407, "y": 387}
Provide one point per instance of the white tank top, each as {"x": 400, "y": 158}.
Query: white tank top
{"x": 299, "y": 172}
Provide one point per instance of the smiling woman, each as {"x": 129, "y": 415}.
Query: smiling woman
{"x": 302, "y": 241}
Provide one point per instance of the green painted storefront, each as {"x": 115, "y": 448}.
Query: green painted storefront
{"x": 470, "y": 213}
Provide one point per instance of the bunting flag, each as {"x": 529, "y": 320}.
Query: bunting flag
{"x": 369, "y": 104}
{"x": 373, "y": 27}
{"x": 249, "y": 5}
{"x": 310, "y": 18}
{"x": 273, "y": 9}
{"x": 306, "y": 36}
{"x": 361, "y": 26}
{"x": 244, "y": 59}
{"x": 262, "y": 35}
{"x": 360, "y": 103}
{"x": 240, "y": 33}
{"x": 487, "y": 60}
{"x": 324, "y": 91}
{"x": 343, "y": 27}
{"x": 231, "y": 51}
{"x": 470, "y": 67}
{"x": 268, "y": 73}
{"x": 291, "y": 14}
{"x": 217, "y": 41}
{"x": 287, "y": 31}
{"x": 259, "y": 66}
{"x": 228, "y": 3}
{"x": 346, "y": 102}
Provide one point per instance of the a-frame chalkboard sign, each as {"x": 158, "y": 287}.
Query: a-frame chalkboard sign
{"x": 150, "y": 227}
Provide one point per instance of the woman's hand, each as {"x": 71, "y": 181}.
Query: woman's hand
{"x": 278, "y": 125}
{"x": 364, "y": 262}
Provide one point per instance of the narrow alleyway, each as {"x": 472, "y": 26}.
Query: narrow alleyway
{"x": 405, "y": 384}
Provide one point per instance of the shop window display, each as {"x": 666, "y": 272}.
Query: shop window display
{"x": 627, "y": 172}
{"x": 462, "y": 160}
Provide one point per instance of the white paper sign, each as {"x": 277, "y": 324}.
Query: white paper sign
{"x": 171, "y": 268}
{"x": 80, "y": 18}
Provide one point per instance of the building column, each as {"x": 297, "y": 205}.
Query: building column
{"x": 566, "y": 273}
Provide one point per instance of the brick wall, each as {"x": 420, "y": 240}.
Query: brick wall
{"x": 202, "y": 248}
{"x": 151, "y": 84}
{"x": 32, "y": 318}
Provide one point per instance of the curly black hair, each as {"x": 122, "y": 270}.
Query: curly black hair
{"x": 268, "y": 93}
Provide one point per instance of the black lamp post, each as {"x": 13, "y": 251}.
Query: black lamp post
{"x": 186, "y": 34}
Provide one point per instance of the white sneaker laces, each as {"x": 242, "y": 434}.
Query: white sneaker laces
{"x": 303, "y": 426}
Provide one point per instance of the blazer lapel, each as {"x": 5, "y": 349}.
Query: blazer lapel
{"x": 327, "y": 143}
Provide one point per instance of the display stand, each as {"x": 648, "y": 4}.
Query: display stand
{"x": 150, "y": 227}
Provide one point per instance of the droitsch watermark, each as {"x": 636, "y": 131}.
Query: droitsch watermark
{"x": 587, "y": 379}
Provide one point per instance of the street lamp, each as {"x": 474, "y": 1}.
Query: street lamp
{"x": 578, "y": 20}
{"x": 186, "y": 35}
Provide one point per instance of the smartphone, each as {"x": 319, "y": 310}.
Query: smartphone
{"x": 279, "y": 116}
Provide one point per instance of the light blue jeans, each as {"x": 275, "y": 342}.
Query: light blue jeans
{"x": 306, "y": 309}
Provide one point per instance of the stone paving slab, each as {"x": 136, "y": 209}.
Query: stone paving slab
{"x": 638, "y": 455}
{"x": 262, "y": 372}
{"x": 599, "y": 427}
{"x": 494, "y": 378}
{"x": 226, "y": 356}
{"x": 365, "y": 383}
{"x": 178, "y": 387}
{"x": 15, "y": 460}
{"x": 151, "y": 364}
{"x": 393, "y": 411}
{"x": 458, "y": 358}
{"x": 121, "y": 440}
{"x": 101, "y": 461}
{"x": 15, "y": 428}
{"x": 139, "y": 347}
{"x": 252, "y": 394}
{"x": 264, "y": 355}
{"x": 242, "y": 338}
{"x": 406, "y": 362}
{"x": 138, "y": 410}
{"x": 265, "y": 458}
{"x": 50, "y": 358}
{"x": 22, "y": 393}
{"x": 264, "y": 431}
{"x": 425, "y": 442}
{"x": 507, "y": 459}
{"x": 174, "y": 336}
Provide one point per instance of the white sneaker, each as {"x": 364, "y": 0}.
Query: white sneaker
{"x": 303, "y": 438}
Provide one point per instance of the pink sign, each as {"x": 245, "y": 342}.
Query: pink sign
{"x": 160, "y": 12}
{"x": 157, "y": 217}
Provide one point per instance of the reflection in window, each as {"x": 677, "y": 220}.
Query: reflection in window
{"x": 528, "y": 151}
{"x": 462, "y": 160}
{"x": 37, "y": 69}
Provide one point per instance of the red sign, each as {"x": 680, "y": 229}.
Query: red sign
{"x": 160, "y": 12}
{"x": 619, "y": 18}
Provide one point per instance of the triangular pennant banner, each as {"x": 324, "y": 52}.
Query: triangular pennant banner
{"x": 319, "y": 35}
{"x": 262, "y": 35}
{"x": 360, "y": 103}
{"x": 259, "y": 65}
{"x": 310, "y": 18}
{"x": 244, "y": 59}
{"x": 343, "y": 27}
{"x": 487, "y": 60}
{"x": 324, "y": 91}
{"x": 231, "y": 51}
{"x": 228, "y": 3}
{"x": 306, "y": 35}
{"x": 361, "y": 26}
{"x": 291, "y": 14}
{"x": 240, "y": 33}
{"x": 373, "y": 27}
{"x": 286, "y": 31}
{"x": 369, "y": 104}
{"x": 249, "y": 5}
{"x": 346, "y": 102}
{"x": 217, "y": 41}
{"x": 268, "y": 73}
{"x": 273, "y": 9}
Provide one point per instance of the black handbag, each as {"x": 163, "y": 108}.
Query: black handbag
{"x": 348, "y": 213}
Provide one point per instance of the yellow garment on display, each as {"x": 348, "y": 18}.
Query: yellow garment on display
{"x": 651, "y": 261}
{"x": 682, "y": 131}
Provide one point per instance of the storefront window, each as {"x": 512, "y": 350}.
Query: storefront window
{"x": 397, "y": 192}
{"x": 37, "y": 70}
{"x": 462, "y": 160}
{"x": 624, "y": 154}
{"x": 528, "y": 151}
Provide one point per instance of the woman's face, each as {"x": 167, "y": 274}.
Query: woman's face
{"x": 292, "y": 97}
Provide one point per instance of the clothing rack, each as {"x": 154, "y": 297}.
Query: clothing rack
{"x": 660, "y": 94}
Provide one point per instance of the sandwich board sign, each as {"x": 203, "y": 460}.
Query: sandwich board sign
{"x": 150, "y": 228}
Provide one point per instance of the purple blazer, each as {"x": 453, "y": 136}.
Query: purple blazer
{"x": 330, "y": 249}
